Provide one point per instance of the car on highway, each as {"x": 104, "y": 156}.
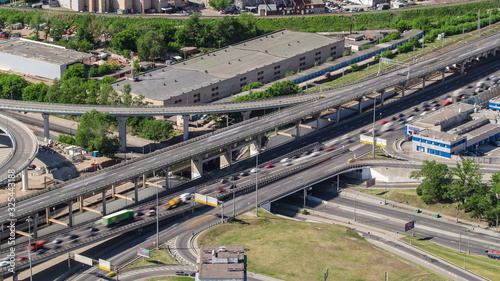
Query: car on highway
{"x": 181, "y": 273}
{"x": 41, "y": 251}
{"x": 255, "y": 170}
{"x": 231, "y": 186}
{"x": 22, "y": 258}
{"x": 319, "y": 149}
{"x": 220, "y": 190}
{"x": 284, "y": 160}
{"x": 4, "y": 263}
{"x": 111, "y": 274}
{"x": 244, "y": 174}
{"x": 139, "y": 214}
{"x": 384, "y": 122}
{"x": 270, "y": 165}
{"x": 233, "y": 178}
{"x": 151, "y": 213}
{"x": 330, "y": 147}
{"x": 93, "y": 229}
{"x": 314, "y": 154}
{"x": 223, "y": 181}
{"x": 57, "y": 241}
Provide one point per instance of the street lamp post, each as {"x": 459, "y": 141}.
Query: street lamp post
{"x": 355, "y": 206}
{"x": 257, "y": 183}
{"x": 29, "y": 247}
{"x": 373, "y": 127}
{"x": 157, "y": 222}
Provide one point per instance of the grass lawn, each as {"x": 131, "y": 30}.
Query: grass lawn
{"x": 483, "y": 266}
{"x": 292, "y": 250}
{"x": 410, "y": 197}
{"x": 158, "y": 257}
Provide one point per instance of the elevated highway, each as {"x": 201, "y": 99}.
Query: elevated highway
{"x": 254, "y": 127}
{"x": 24, "y": 149}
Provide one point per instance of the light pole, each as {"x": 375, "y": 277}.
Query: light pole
{"x": 157, "y": 223}
{"x": 257, "y": 183}
{"x": 373, "y": 127}
{"x": 29, "y": 247}
{"x": 355, "y": 206}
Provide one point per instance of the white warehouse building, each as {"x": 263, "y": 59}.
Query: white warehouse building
{"x": 38, "y": 59}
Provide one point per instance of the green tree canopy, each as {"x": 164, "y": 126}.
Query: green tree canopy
{"x": 151, "y": 46}
{"x": 94, "y": 133}
{"x": 435, "y": 181}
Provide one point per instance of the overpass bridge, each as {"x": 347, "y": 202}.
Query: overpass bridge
{"x": 221, "y": 141}
{"x": 24, "y": 150}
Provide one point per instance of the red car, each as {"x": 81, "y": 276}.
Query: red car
{"x": 220, "y": 190}
{"x": 328, "y": 148}
{"x": 383, "y": 122}
{"x": 23, "y": 258}
{"x": 270, "y": 165}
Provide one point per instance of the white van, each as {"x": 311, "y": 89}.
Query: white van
{"x": 185, "y": 197}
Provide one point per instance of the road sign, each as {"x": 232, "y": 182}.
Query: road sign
{"x": 143, "y": 252}
{"x": 105, "y": 265}
{"x": 83, "y": 259}
{"x": 207, "y": 200}
{"x": 366, "y": 139}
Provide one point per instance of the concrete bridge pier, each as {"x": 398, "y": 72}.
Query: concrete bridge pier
{"x": 122, "y": 132}
{"x": 24, "y": 179}
{"x": 299, "y": 122}
{"x": 104, "y": 202}
{"x": 256, "y": 147}
{"x": 227, "y": 158}
{"x": 80, "y": 201}
{"x": 47, "y": 216}
{"x": 70, "y": 213}
{"x": 196, "y": 167}
{"x": 246, "y": 114}
{"x": 35, "y": 226}
{"x": 423, "y": 81}
{"x": 442, "y": 75}
{"x": 136, "y": 189}
{"x": 360, "y": 105}
{"x": 382, "y": 97}
{"x": 462, "y": 67}
{"x": 46, "y": 126}
{"x": 337, "y": 118}
{"x": 185, "y": 127}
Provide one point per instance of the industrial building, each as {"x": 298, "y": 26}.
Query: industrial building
{"x": 120, "y": 6}
{"x": 215, "y": 75}
{"x": 38, "y": 59}
{"x": 222, "y": 263}
{"x": 451, "y": 130}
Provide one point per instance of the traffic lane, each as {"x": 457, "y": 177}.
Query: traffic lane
{"x": 440, "y": 232}
{"x": 423, "y": 259}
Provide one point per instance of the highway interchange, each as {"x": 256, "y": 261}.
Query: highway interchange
{"x": 216, "y": 139}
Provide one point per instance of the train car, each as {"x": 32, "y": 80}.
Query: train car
{"x": 117, "y": 217}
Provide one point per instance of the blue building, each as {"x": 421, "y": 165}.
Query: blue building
{"x": 451, "y": 130}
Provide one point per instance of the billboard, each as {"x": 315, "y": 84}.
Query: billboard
{"x": 381, "y": 142}
{"x": 83, "y": 259}
{"x": 207, "y": 200}
{"x": 409, "y": 225}
{"x": 366, "y": 139}
{"x": 143, "y": 252}
{"x": 105, "y": 265}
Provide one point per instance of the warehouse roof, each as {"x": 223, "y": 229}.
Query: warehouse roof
{"x": 42, "y": 51}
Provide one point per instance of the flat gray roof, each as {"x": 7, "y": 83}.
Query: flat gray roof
{"x": 490, "y": 127}
{"x": 225, "y": 63}
{"x": 439, "y": 135}
{"x": 42, "y": 51}
{"x": 446, "y": 113}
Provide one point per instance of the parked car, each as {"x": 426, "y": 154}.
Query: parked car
{"x": 4, "y": 263}
{"x": 22, "y": 258}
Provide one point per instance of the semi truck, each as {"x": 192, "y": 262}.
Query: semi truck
{"x": 493, "y": 254}
{"x": 117, "y": 217}
{"x": 176, "y": 201}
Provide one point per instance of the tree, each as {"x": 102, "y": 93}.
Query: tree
{"x": 75, "y": 70}
{"x": 35, "y": 92}
{"x": 156, "y": 130}
{"x": 434, "y": 186}
{"x": 124, "y": 42}
{"x": 151, "y": 46}
{"x": 94, "y": 134}
{"x": 11, "y": 86}
{"x": 354, "y": 67}
{"x": 220, "y": 4}
{"x": 467, "y": 180}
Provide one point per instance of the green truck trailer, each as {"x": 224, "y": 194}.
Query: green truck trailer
{"x": 117, "y": 217}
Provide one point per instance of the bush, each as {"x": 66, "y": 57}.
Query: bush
{"x": 354, "y": 67}
{"x": 289, "y": 73}
{"x": 329, "y": 59}
{"x": 316, "y": 63}
{"x": 347, "y": 53}
{"x": 304, "y": 212}
{"x": 66, "y": 139}
{"x": 253, "y": 85}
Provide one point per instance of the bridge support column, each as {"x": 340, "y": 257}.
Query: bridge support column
{"x": 462, "y": 68}
{"x": 35, "y": 226}
{"x": 46, "y": 127}
{"x": 360, "y": 106}
{"x": 113, "y": 190}
{"x": 196, "y": 167}
{"x": 24, "y": 179}
{"x": 256, "y": 147}
{"x": 227, "y": 158}
{"x": 442, "y": 75}
{"x": 104, "y": 202}
{"x": 167, "y": 179}
{"x": 70, "y": 213}
{"x": 317, "y": 121}
{"x": 185, "y": 127}
{"x": 423, "y": 81}
{"x": 136, "y": 191}
{"x": 246, "y": 114}
{"x": 305, "y": 197}
{"x": 80, "y": 200}
{"x": 144, "y": 180}
{"x": 338, "y": 114}
{"x": 47, "y": 216}
{"x": 14, "y": 277}
{"x": 122, "y": 132}
{"x": 298, "y": 128}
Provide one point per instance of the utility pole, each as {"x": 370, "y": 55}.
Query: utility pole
{"x": 478, "y": 20}
{"x": 257, "y": 182}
